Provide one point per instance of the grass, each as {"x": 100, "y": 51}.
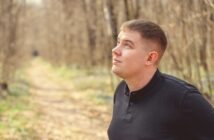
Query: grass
{"x": 96, "y": 86}
{"x": 13, "y": 123}
{"x": 15, "y": 108}
{"x": 94, "y": 83}
{"x": 18, "y": 117}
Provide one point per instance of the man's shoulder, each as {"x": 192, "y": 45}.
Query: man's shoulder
{"x": 178, "y": 84}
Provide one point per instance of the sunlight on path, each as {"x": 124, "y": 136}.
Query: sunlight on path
{"x": 63, "y": 113}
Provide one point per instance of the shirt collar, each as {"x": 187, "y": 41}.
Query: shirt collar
{"x": 153, "y": 84}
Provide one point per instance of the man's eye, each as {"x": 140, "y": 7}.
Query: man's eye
{"x": 127, "y": 46}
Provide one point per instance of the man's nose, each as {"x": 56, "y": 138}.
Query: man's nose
{"x": 116, "y": 50}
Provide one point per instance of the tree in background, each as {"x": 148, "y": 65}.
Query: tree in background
{"x": 82, "y": 33}
{"x": 10, "y": 40}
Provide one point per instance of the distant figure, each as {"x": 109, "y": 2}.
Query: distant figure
{"x": 150, "y": 105}
{"x": 3, "y": 89}
{"x": 35, "y": 53}
{"x": 3, "y": 86}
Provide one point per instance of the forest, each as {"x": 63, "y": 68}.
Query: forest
{"x": 53, "y": 52}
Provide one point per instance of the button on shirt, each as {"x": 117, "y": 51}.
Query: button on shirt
{"x": 165, "y": 109}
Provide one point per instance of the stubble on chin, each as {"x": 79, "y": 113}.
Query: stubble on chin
{"x": 116, "y": 71}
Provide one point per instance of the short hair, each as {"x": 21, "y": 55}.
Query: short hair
{"x": 148, "y": 30}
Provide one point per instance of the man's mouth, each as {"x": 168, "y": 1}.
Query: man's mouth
{"x": 115, "y": 61}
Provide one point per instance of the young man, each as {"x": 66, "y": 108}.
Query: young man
{"x": 149, "y": 105}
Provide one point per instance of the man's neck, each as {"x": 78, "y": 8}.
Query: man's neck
{"x": 141, "y": 80}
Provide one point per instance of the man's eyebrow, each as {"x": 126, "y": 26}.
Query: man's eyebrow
{"x": 126, "y": 40}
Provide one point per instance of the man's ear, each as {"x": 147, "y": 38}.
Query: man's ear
{"x": 152, "y": 58}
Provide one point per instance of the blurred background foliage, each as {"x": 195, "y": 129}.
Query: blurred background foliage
{"x": 81, "y": 33}
{"x": 75, "y": 38}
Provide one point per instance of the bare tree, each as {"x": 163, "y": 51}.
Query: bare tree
{"x": 10, "y": 51}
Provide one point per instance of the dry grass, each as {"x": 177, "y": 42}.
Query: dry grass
{"x": 61, "y": 110}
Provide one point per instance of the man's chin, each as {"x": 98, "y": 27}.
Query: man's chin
{"x": 116, "y": 72}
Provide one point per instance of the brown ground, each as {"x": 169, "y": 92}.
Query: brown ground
{"x": 63, "y": 113}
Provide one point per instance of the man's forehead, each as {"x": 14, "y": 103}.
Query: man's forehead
{"x": 136, "y": 38}
{"x": 128, "y": 34}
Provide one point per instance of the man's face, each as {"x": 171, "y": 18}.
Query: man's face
{"x": 130, "y": 55}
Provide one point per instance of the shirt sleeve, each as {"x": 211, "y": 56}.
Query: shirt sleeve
{"x": 198, "y": 116}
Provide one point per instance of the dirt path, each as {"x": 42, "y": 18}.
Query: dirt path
{"x": 63, "y": 114}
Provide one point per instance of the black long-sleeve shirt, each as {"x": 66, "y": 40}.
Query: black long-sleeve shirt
{"x": 165, "y": 109}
